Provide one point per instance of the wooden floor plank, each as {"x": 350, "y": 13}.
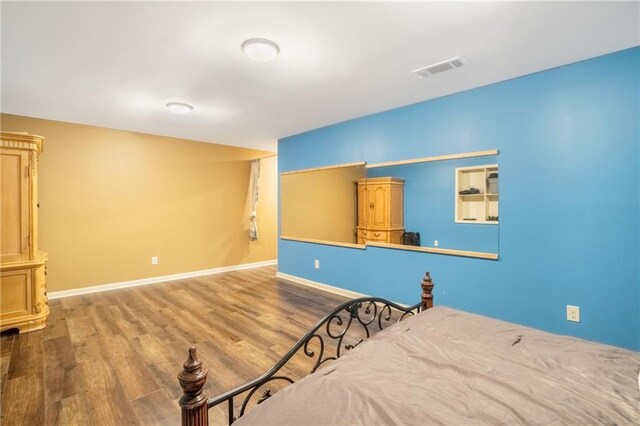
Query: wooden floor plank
{"x": 61, "y": 373}
{"x": 73, "y": 410}
{"x": 112, "y": 358}
{"x": 156, "y": 409}
{"x": 22, "y": 401}
{"x": 6, "y": 347}
{"x": 26, "y": 356}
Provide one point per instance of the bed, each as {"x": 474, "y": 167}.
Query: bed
{"x": 430, "y": 366}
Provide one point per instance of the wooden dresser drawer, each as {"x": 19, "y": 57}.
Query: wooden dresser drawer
{"x": 381, "y": 236}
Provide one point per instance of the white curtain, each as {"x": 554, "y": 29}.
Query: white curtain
{"x": 253, "y": 188}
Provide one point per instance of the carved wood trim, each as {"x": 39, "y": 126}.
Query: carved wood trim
{"x": 193, "y": 402}
{"x": 34, "y": 163}
{"x": 21, "y": 141}
{"x": 427, "y": 291}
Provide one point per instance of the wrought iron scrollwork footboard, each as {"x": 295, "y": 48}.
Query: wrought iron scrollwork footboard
{"x": 367, "y": 314}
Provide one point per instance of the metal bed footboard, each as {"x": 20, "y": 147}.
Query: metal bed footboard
{"x": 369, "y": 314}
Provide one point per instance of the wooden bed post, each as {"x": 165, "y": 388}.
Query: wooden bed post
{"x": 427, "y": 292}
{"x": 195, "y": 411}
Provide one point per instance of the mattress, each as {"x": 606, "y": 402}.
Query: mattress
{"x": 445, "y": 366}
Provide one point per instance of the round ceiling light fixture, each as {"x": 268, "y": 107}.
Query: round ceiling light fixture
{"x": 260, "y": 49}
{"x": 179, "y": 108}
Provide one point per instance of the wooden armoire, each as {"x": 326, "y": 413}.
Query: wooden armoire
{"x": 23, "y": 292}
{"x": 380, "y": 210}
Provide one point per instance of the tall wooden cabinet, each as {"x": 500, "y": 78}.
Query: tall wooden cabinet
{"x": 380, "y": 210}
{"x": 23, "y": 296}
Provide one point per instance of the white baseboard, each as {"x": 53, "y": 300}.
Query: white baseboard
{"x": 154, "y": 280}
{"x": 325, "y": 287}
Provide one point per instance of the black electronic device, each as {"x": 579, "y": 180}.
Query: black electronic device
{"x": 411, "y": 239}
{"x": 470, "y": 191}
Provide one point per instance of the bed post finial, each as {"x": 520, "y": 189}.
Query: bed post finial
{"x": 193, "y": 402}
{"x": 427, "y": 289}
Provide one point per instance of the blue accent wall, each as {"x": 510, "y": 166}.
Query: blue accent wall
{"x": 569, "y": 142}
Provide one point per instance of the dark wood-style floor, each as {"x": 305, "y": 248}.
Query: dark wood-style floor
{"x": 112, "y": 358}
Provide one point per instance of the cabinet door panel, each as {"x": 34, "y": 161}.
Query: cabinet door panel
{"x": 14, "y": 222}
{"x": 15, "y": 293}
{"x": 363, "y": 205}
{"x": 380, "y": 215}
{"x": 396, "y": 214}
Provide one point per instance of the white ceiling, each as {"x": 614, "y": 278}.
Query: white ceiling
{"x": 117, "y": 64}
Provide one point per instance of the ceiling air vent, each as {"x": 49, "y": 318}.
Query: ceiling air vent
{"x": 443, "y": 66}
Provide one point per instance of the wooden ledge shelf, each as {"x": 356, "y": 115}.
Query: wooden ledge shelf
{"x": 324, "y": 242}
{"x": 436, "y": 250}
{"x": 434, "y": 158}
{"x": 315, "y": 169}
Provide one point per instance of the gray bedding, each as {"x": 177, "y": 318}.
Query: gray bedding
{"x": 445, "y": 366}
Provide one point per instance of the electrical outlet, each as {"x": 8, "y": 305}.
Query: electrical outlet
{"x": 573, "y": 313}
{"x": 154, "y": 260}
{"x": 435, "y": 243}
{"x": 316, "y": 264}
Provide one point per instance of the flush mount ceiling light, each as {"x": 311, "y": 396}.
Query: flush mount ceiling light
{"x": 260, "y": 49}
{"x": 179, "y": 108}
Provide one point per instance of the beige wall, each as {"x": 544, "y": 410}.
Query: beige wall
{"x": 321, "y": 204}
{"x": 110, "y": 199}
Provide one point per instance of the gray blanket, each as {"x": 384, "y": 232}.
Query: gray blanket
{"x": 445, "y": 366}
